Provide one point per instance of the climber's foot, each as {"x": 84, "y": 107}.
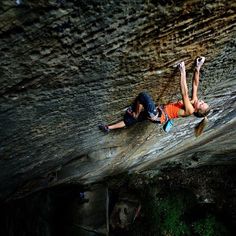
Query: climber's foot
{"x": 199, "y": 62}
{"x": 104, "y": 128}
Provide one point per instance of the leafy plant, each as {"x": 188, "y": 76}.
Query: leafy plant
{"x": 166, "y": 214}
{"x": 209, "y": 226}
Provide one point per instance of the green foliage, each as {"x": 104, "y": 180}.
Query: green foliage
{"x": 166, "y": 215}
{"x": 209, "y": 226}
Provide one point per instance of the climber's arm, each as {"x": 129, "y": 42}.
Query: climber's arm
{"x": 196, "y": 76}
{"x": 188, "y": 107}
{"x": 195, "y": 85}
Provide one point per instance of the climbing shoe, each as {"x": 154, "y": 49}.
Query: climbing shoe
{"x": 104, "y": 128}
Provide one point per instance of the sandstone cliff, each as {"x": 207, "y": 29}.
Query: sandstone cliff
{"x": 67, "y": 66}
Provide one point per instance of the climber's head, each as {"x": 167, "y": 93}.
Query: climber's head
{"x": 201, "y": 108}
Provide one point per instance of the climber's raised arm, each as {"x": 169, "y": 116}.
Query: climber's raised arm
{"x": 195, "y": 84}
{"x": 188, "y": 107}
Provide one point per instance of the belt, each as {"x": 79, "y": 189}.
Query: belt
{"x": 159, "y": 112}
{"x": 162, "y": 109}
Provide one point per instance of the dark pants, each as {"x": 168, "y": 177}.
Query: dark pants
{"x": 149, "y": 109}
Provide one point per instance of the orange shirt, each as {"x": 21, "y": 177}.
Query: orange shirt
{"x": 171, "y": 110}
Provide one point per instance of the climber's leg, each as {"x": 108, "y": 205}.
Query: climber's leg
{"x": 107, "y": 128}
{"x": 118, "y": 125}
{"x": 138, "y": 108}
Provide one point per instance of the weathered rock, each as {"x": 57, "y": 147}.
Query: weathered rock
{"x": 67, "y": 66}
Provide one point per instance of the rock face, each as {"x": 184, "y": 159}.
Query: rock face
{"x": 67, "y": 66}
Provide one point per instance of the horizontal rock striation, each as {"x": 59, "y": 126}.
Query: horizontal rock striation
{"x": 67, "y": 66}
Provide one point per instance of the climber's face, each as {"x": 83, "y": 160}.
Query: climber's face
{"x": 200, "y": 105}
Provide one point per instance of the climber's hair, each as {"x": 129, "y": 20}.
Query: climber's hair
{"x": 201, "y": 113}
{"x": 198, "y": 130}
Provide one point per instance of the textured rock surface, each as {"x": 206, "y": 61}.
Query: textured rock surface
{"x": 67, "y": 66}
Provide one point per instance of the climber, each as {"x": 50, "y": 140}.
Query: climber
{"x": 144, "y": 108}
